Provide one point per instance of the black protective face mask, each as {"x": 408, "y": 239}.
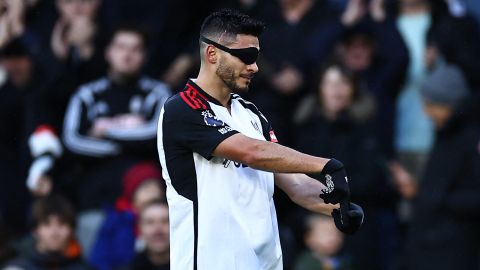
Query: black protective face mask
{"x": 246, "y": 55}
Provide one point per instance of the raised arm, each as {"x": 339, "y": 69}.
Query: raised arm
{"x": 268, "y": 156}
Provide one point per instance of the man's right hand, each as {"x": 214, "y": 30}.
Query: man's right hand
{"x": 334, "y": 177}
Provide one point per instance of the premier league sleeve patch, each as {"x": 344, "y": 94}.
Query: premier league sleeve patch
{"x": 211, "y": 119}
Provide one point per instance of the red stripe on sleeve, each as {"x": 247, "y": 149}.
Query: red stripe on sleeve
{"x": 196, "y": 100}
{"x": 189, "y": 103}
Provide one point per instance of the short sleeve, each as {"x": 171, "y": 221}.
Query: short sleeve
{"x": 199, "y": 130}
{"x": 267, "y": 128}
{"x": 268, "y": 132}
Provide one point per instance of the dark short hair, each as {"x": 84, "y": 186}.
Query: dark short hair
{"x": 132, "y": 28}
{"x": 349, "y": 75}
{"x": 230, "y": 23}
{"x": 361, "y": 32}
{"x": 310, "y": 219}
{"x": 53, "y": 205}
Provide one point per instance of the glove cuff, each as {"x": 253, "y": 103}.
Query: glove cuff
{"x": 332, "y": 166}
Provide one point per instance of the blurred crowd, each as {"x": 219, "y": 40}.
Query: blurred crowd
{"x": 389, "y": 87}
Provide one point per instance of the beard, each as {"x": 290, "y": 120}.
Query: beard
{"x": 227, "y": 75}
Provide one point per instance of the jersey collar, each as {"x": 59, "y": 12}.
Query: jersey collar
{"x": 191, "y": 83}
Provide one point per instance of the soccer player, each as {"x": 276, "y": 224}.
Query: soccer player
{"x": 220, "y": 161}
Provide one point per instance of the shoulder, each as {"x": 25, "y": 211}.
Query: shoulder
{"x": 306, "y": 261}
{"x": 249, "y": 106}
{"x": 87, "y": 91}
{"x": 177, "y": 104}
{"x": 188, "y": 100}
{"x": 148, "y": 84}
{"x": 79, "y": 264}
{"x": 183, "y": 106}
{"x": 95, "y": 86}
{"x": 19, "y": 263}
{"x": 469, "y": 138}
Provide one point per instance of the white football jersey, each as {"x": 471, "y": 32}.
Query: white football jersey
{"x": 222, "y": 214}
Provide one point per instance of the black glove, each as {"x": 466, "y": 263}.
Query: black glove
{"x": 348, "y": 218}
{"x": 334, "y": 177}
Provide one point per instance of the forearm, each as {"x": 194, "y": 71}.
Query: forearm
{"x": 277, "y": 158}
{"x": 268, "y": 156}
{"x": 76, "y": 139}
{"x": 304, "y": 191}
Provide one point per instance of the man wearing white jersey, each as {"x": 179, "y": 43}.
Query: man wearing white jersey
{"x": 220, "y": 161}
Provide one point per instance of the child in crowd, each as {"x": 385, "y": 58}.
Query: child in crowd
{"x": 53, "y": 220}
{"x": 324, "y": 243}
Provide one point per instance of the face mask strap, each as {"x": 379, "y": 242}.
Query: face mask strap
{"x": 211, "y": 42}
{"x": 234, "y": 52}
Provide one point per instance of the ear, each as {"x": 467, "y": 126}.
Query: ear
{"x": 211, "y": 54}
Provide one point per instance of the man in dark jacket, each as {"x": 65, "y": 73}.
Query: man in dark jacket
{"x": 22, "y": 79}
{"x": 445, "y": 229}
{"x": 111, "y": 124}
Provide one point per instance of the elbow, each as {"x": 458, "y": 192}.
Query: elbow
{"x": 295, "y": 197}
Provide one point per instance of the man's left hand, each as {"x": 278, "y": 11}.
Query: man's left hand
{"x": 348, "y": 218}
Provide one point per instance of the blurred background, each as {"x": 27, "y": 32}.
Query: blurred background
{"x": 389, "y": 87}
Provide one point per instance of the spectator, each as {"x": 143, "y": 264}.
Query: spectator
{"x": 141, "y": 184}
{"x": 457, "y": 40}
{"x": 281, "y": 81}
{"x": 76, "y": 36}
{"x": 324, "y": 243}
{"x": 335, "y": 129}
{"x": 22, "y": 80}
{"x": 111, "y": 124}
{"x": 116, "y": 240}
{"x": 14, "y": 25}
{"x": 75, "y": 57}
{"x": 473, "y": 8}
{"x": 414, "y": 130}
{"x": 372, "y": 47}
{"x": 444, "y": 231}
{"x": 154, "y": 230}
{"x": 53, "y": 225}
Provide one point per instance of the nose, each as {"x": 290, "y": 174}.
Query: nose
{"x": 253, "y": 67}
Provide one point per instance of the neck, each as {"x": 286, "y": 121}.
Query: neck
{"x": 121, "y": 78}
{"x": 159, "y": 258}
{"x": 330, "y": 115}
{"x": 214, "y": 86}
{"x": 44, "y": 251}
